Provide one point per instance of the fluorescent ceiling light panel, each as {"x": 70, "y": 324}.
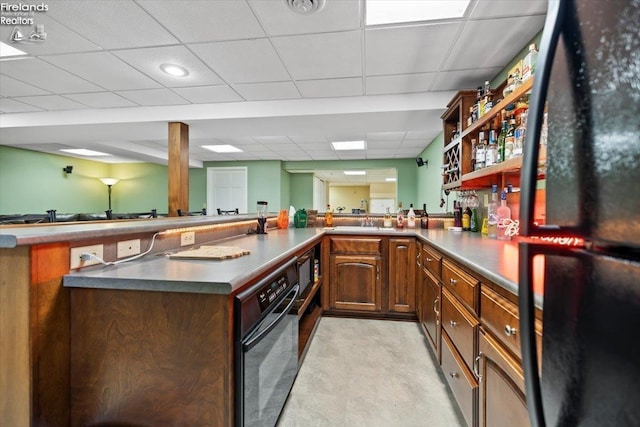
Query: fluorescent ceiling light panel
{"x": 355, "y": 172}
{"x": 84, "y": 152}
{"x": 394, "y": 11}
{"x": 390, "y": 179}
{"x": 8, "y": 50}
{"x": 224, "y": 148}
{"x": 348, "y": 145}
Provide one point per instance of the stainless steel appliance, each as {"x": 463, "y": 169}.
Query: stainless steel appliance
{"x": 589, "y": 65}
{"x": 266, "y": 348}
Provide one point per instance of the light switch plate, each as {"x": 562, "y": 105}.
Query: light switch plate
{"x": 76, "y": 262}
{"x": 128, "y": 248}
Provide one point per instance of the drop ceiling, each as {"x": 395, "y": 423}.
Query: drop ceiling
{"x": 277, "y": 84}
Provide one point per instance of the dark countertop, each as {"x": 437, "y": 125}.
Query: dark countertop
{"x": 495, "y": 260}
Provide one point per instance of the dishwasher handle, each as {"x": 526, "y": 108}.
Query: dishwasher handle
{"x": 252, "y": 340}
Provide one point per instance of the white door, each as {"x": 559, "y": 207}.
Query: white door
{"x": 227, "y": 189}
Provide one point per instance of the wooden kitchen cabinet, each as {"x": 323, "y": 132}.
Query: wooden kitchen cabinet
{"x": 402, "y": 275}
{"x": 430, "y": 316}
{"x": 355, "y": 282}
{"x": 462, "y": 382}
{"x": 501, "y": 395}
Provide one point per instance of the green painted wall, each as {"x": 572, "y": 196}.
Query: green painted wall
{"x": 502, "y": 75}
{"x": 430, "y": 177}
{"x": 301, "y": 190}
{"x": 285, "y": 190}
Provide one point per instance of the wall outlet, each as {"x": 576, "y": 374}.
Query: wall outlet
{"x": 76, "y": 262}
{"x": 187, "y": 238}
{"x": 128, "y": 248}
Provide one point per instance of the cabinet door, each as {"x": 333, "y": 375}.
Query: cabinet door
{"x": 355, "y": 282}
{"x": 502, "y": 401}
{"x": 430, "y": 319}
{"x": 418, "y": 281}
{"x": 402, "y": 275}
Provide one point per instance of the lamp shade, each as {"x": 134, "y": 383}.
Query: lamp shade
{"x": 109, "y": 181}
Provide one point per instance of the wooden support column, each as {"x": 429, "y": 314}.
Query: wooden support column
{"x": 178, "y": 168}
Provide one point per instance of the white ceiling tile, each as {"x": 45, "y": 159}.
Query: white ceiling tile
{"x": 419, "y": 134}
{"x": 385, "y": 136}
{"x": 308, "y": 139}
{"x": 12, "y": 106}
{"x": 12, "y": 87}
{"x": 272, "y": 140}
{"x": 244, "y": 61}
{"x": 149, "y": 60}
{"x": 400, "y": 83}
{"x": 266, "y": 91}
{"x": 320, "y": 56}
{"x": 330, "y": 87}
{"x": 414, "y": 143}
{"x": 101, "y": 100}
{"x": 45, "y": 76}
{"x": 464, "y": 79}
{"x": 60, "y": 39}
{"x": 413, "y": 49}
{"x": 208, "y": 94}
{"x": 52, "y": 102}
{"x": 383, "y": 144}
{"x": 111, "y": 24}
{"x": 471, "y": 51}
{"x": 103, "y": 69}
{"x": 501, "y": 8}
{"x": 205, "y": 21}
{"x": 153, "y": 97}
{"x": 278, "y": 19}
{"x": 379, "y": 153}
{"x": 402, "y": 153}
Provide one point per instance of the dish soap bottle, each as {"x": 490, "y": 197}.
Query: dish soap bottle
{"x": 400, "y": 216}
{"x": 387, "y": 219}
{"x": 411, "y": 217}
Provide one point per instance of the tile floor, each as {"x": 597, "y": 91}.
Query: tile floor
{"x": 360, "y": 372}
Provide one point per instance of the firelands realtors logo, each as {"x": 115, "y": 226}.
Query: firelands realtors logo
{"x": 24, "y": 15}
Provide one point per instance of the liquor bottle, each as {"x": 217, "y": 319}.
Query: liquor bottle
{"x": 474, "y": 150}
{"x": 387, "y": 223}
{"x": 457, "y": 214}
{"x": 481, "y": 152}
{"x": 424, "y": 218}
{"x": 488, "y": 97}
{"x": 492, "y": 213}
{"x": 492, "y": 149}
{"x": 411, "y": 217}
{"x": 529, "y": 62}
{"x": 470, "y": 118}
{"x": 328, "y": 217}
{"x": 476, "y": 106}
{"x": 509, "y": 140}
{"x": 475, "y": 221}
{"x": 466, "y": 219}
{"x": 501, "y": 139}
{"x": 400, "y": 216}
{"x": 519, "y": 135}
{"x": 504, "y": 217}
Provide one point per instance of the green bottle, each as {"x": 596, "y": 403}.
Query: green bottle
{"x": 501, "y": 138}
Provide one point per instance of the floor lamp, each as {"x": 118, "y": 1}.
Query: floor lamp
{"x": 109, "y": 182}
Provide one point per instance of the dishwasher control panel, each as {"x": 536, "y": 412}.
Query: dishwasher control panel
{"x": 270, "y": 292}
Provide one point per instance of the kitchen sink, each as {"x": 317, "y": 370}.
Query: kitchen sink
{"x": 359, "y": 228}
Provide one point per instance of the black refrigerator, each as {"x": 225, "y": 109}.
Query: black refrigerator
{"x": 587, "y": 78}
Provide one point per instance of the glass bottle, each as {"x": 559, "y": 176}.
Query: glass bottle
{"x": 504, "y": 217}
{"x": 519, "y": 135}
{"x": 466, "y": 219}
{"x": 473, "y": 203}
{"x": 424, "y": 218}
{"x": 387, "y": 223}
{"x": 492, "y": 213}
{"x": 501, "y": 140}
{"x": 474, "y": 150}
{"x": 481, "y": 152}
{"x": 509, "y": 140}
{"x": 328, "y": 217}
{"x": 457, "y": 214}
{"x": 400, "y": 216}
{"x": 529, "y": 62}
{"x": 492, "y": 149}
{"x": 411, "y": 217}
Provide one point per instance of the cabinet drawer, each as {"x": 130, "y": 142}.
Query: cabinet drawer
{"x": 500, "y": 316}
{"x": 462, "y": 382}
{"x": 432, "y": 261}
{"x": 461, "y": 284}
{"x": 349, "y": 245}
{"x": 461, "y": 326}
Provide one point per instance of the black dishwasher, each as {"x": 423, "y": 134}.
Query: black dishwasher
{"x": 266, "y": 346}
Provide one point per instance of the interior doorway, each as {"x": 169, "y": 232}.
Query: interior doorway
{"x": 227, "y": 189}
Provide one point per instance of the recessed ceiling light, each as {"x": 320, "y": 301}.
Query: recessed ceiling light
{"x": 174, "y": 70}
{"x": 84, "y": 152}
{"x": 355, "y": 172}
{"x": 8, "y": 50}
{"x": 348, "y": 145}
{"x": 393, "y": 11}
{"x": 390, "y": 179}
{"x": 225, "y": 148}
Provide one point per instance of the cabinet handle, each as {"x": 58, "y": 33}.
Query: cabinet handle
{"x": 418, "y": 260}
{"x": 453, "y": 281}
{"x": 510, "y": 330}
{"x": 435, "y": 303}
{"x": 476, "y": 367}
{"x": 453, "y": 374}
{"x": 453, "y": 323}
{"x": 429, "y": 259}
{"x": 377, "y": 272}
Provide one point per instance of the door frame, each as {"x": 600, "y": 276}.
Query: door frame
{"x": 211, "y": 188}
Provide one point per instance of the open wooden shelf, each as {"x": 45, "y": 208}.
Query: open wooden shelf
{"x": 306, "y": 329}
{"x": 309, "y": 296}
